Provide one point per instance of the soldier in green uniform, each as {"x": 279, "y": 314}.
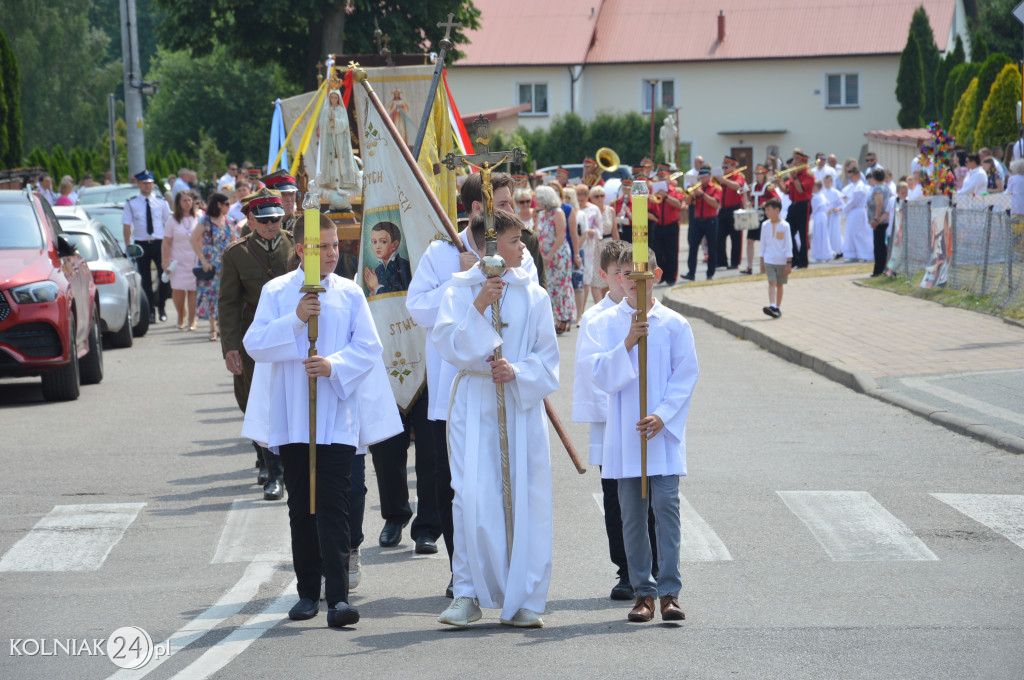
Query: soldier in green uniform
{"x": 283, "y": 182}
{"x": 247, "y": 264}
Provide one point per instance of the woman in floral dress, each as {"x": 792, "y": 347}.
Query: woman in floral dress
{"x": 211, "y": 236}
{"x": 550, "y": 227}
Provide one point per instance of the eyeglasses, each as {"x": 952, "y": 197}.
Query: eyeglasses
{"x": 269, "y": 220}
{"x": 526, "y": 202}
{"x": 599, "y": 195}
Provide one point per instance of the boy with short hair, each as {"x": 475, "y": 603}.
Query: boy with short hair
{"x": 611, "y": 344}
{"x": 776, "y": 255}
{"x": 393, "y": 272}
{"x": 486, "y": 571}
{"x": 348, "y": 367}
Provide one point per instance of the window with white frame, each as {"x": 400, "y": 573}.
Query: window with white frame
{"x": 536, "y": 95}
{"x": 842, "y": 90}
{"x": 664, "y": 95}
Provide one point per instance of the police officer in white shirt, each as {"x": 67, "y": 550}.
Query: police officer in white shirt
{"x": 143, "y": 219}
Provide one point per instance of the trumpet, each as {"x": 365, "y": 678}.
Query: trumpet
{"x": 779, "y": 175}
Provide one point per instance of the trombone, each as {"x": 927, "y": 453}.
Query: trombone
{"x": 779, "y": 175}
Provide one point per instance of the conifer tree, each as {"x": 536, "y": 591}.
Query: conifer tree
{"x": 910, "y": 85}
{"x": 921, "y": 29}
{"x": 997, "y": 125}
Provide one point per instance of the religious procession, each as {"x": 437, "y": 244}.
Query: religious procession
{"x": 424, "y": 387}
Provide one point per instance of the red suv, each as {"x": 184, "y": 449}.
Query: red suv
{"x": 49, "y": 305}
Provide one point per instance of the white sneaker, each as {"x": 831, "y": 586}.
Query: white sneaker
{"x": 353, "y": 569}
{"x": 462, "y": 612}
{"x": 525, "y": 618}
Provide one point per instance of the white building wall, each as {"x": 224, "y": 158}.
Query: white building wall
{"x": 746, "y": 97}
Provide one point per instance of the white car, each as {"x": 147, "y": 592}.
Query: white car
{"x": 124, "y": 309}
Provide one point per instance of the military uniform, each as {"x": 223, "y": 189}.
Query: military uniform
{"x": 245, "y": 267}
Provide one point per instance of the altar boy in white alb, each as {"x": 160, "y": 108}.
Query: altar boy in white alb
{"x": 483, "y": 571}
{"x": 348, "y": 362}
{"x": 611, "y": 340}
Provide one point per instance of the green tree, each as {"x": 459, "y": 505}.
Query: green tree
{"x": 217, "y": 93}
{"x": 65, "y": 60}
{"x": 10, "y": 107}
{"x": 959, "y": 78}
{"x": 990, "y": 70}
{"x": 105, "y": 15}
{"x": 296, "y": 35}
{"x": 910, "y": 91}
{"x": 953, "y": 59}
{"x": 921, "y": 28}
{"x": 997, "y": 125}
{"x": 37, "y": 158}
{"x": 979, "y": 47}
{"x": 965, "y": 117}
{"x": 996, "y": 26}
{"x": 564, "y": 142}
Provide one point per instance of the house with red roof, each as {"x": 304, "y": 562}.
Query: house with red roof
{"x": 745, "y": 77}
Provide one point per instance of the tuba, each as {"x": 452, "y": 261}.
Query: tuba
{"x": 607, "y": 159}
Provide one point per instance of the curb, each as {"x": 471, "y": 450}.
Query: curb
{"x": 855, "y": 380}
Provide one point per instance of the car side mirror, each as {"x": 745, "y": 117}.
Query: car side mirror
{"x": 134, "y": 251}
{"x": 64, "y": 247}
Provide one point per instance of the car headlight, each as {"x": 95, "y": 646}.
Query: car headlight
{"x": 40, "y": 291}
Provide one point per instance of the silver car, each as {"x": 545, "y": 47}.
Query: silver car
{"x": 124, "y": 309}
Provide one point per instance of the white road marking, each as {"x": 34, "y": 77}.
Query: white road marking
{"x": 1001, "y": 513}
{"x": 72, "y": 538}
{"x": 256, "y": 574}
{"x": 225, "y": 651}
{"x": 255, "y": 530}
{"x": 699, "y": 542}
{"x": 963, "y": 400}
{"x": 853, "y": 526}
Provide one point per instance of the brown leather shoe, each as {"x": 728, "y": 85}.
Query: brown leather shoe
{"x": 643, "y": 610}
{"x": 670, "y": 610}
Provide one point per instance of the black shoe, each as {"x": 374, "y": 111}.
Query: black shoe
{"x": 449, "y": 591}
{"x": 391, "y": 534}
{"x": 342, "y": 614}
{"x": 425, "y": 546}
{"x": 152, "y": 317}
{"x": 623, "y": 590}
{"x": 776, "y": 312}
{"x": 163, "y": 315}
{"x": 768, "y": 311}
{"x": 273, "y": 490}
{"x": 304, "y": 609}
{"x": 688, "y": 277}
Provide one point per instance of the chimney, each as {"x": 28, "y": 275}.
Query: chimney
{"x": 721, "y": 26}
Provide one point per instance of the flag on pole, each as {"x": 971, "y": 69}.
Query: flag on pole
{"x": 398, "y": 225}
{"x": 277, "y": 137}
{"x": 438, "y": 141}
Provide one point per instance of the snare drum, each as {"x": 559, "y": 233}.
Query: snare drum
{"x": 745, "y": 220}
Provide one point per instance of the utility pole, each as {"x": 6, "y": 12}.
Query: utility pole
{"x": 133, "y": 86}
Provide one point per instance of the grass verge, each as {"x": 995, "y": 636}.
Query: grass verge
{"x": 949, "y": 297}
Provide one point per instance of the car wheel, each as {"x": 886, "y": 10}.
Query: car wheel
{"x": 92, "y": 363}
{"x": 143, "y": 325}
{"x": 123, "y": 338}
{"x": 62, "y": 384}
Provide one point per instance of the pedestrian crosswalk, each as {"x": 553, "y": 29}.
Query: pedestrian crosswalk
{"x": 848, "y": 525}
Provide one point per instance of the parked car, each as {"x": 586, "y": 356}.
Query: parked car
{"x": 124, "y": 309}
{"x": 109, "y": 215}
{"x": 111, "y": 193}
{"x": 49, "y": 304}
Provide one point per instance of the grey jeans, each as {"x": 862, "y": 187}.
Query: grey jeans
{"x": 663, "y": 495}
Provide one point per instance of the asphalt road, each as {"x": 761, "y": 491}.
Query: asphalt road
{"x": 826, "y": 534}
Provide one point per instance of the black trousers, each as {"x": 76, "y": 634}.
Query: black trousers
{"x": 151, "y": 254}
{"x": 701, "y": 227}
{"x": 444, "y": 494}
{"x": 666, "y": 249}
{"x": 613, "y": 527}
{"x": 390, "y": 461}
{"x": 881, "y": 251}
{"x": 727, "y": 230}
{"x": 320, "y": 543}
{"x": 798, "y": 215}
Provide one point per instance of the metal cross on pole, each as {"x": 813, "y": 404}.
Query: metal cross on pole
{"x": 446, "y": 44}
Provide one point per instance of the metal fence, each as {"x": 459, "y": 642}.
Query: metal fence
{"x": 974, "y": 246}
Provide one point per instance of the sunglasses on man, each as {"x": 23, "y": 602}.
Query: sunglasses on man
{"x": 269, "y": 220}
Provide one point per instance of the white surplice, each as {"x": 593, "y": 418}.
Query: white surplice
{"x": 431, "y": 279}
{"x": 835, "y": 221}
{"x": 821, "y": 247}
{"x": 465, "y": 339}
{"x": 349, "y": 408}
{"x": 589, "y": 402}
{"x": 671, "y": 377}
{"x": 858, "y": 241}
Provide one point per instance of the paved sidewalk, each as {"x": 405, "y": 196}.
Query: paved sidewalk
{"x": 869, "y": 340}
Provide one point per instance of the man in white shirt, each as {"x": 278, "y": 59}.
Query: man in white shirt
{"x": 143, "y": 221}
{"x": 871, "y": 160}
{"x": 184, "y": 182}
{"x": 821, "y": 169}
{"x": 976, "y": 181}
{"x": 45, "y": 189}
{"x": 228, "y": 178}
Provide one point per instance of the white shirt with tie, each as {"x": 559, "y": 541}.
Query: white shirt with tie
{"x": 134, "y": 214}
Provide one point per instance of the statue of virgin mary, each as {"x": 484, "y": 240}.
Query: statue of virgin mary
{"x": 338, "y": 177}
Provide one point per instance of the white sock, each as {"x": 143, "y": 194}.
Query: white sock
{"x": 775, "y": 306}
